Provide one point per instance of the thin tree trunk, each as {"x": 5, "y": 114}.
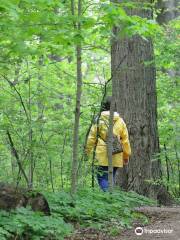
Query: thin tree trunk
{"x": 31, "y": 158}
{"x": 77, "y": 109}
{"x": 97, "y": 134}
{"x": 109, "y": 146}
{"x": 167, "y": 166}
{"x": 178, "y": 160}
{"x": 61, "y": 159}
{"x": 16, "y": 80}
{"x": 40, "y": 104}
{"x": 51, "y": 174}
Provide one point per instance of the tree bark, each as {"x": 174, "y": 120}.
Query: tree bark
{"x": 30, "y": 155}
{"x": 168, "y": 10}
{"x": 167, "y": 166}
{"x": 77, "y": 109}
{"x": 135, "y": 93}
{"x": 109, "y": 146}
{"x": 16, "y": 155}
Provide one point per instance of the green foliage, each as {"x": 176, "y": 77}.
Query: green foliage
{"x": 98, "y": 209}
{"x": 115, "y": 15}
{"x": 167, "y": 61}
{"x": 38, "y": 69}
{"x": 25, "y": 224}
{"x": 38, "y": 75}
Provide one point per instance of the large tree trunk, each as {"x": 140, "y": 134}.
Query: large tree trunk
{"x": 168, "y": 10}
{"x": 135, "y": 94}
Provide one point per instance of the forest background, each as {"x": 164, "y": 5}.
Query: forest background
{"x": 41, "y": 43}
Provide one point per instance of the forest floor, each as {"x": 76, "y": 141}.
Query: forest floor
{"x": 165, "y": 220}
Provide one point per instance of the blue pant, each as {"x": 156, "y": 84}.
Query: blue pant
{"x": 102, "y": 176}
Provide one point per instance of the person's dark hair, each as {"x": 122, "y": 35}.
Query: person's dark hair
{"x": 106, "y": 104}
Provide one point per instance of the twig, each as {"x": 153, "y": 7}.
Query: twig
{"x": 20, "y": 97}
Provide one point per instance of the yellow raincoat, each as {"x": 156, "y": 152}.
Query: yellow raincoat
{"x": 119, "y": 129}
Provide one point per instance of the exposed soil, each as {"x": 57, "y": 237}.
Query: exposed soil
{"x": 164, "y": 224}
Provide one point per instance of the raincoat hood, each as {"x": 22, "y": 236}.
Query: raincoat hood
{"x": 105, "y": 116}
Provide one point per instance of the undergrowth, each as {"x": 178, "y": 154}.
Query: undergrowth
{"x": 86, "y": 209}
{"x": 99, "y": 210}
{"x": 24, "y": 224}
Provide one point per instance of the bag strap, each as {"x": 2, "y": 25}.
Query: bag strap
{"x": 99, "y": 136}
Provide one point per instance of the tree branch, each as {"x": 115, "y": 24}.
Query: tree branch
{"x": 20, "y": 97}
{"x": 16, "y": 155}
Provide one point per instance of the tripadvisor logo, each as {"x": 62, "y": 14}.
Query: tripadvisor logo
{"x": 139, "y": 231}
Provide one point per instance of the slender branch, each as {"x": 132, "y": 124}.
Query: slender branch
{"x": 90, "y": 47}
{"x": 20, "y": 97}
{"x": 15, "y": 153}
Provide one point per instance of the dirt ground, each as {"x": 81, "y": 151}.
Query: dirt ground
{"x": 164, "y": 225}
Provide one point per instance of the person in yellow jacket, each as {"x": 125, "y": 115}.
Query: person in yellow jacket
{"x": 101, "y": 157}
